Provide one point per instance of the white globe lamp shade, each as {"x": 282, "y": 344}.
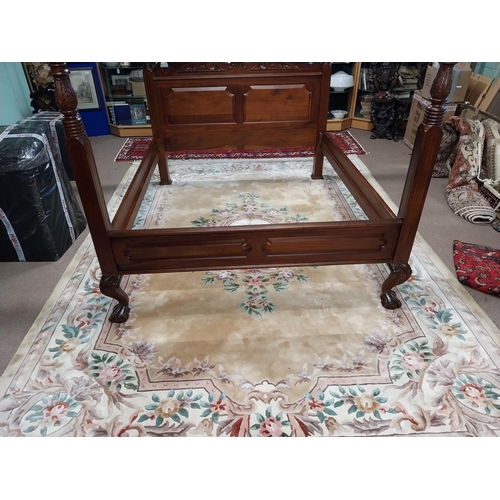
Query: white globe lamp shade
{"x": 341, "y": 81}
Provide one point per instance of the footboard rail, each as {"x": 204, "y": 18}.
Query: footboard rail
{"x": 369, "y": 200}
{"x": 129, "y": 206}
{"x": 273, "y": 245}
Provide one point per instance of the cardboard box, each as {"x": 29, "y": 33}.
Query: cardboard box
{"x": 479, "y": 85}
{"x": 416, "y": 116}
{"x": 460, "y": 82}
{"x": 491, "y": 101}
{"x": 138, "y": 88}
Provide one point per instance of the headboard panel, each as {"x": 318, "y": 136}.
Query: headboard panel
{"x": 238, "y": 105}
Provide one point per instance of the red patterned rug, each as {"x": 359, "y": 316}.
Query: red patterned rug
{"x": 477, "y": 266}
{"x": 135, "y": 148}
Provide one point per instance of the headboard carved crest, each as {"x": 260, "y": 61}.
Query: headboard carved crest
{"x": 272, "y": 66}
{"x": 206, "y": 66}
{"x": 220, "y": 67}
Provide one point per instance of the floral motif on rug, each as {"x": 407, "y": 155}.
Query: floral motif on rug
{"x": 135, "y": 148}
{"x": 255, "y": 283}
{"x": 327, "y": 360}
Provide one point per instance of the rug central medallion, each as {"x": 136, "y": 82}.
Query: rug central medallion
{"x": 231, "y": 330}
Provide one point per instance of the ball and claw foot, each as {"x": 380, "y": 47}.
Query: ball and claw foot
{"x": 110, "y": 286}
{"x": 120, "y": 313}
{"x": 389, "y": 300}
{"x": 399, "y": 274}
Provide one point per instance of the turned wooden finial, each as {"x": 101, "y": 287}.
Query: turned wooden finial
{"x": 67, "y": 101}
{"x": 440, "y": 90}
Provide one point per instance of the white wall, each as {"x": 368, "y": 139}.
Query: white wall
{"x": 14, "y": 93}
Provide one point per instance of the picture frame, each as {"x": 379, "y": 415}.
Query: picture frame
{"x": 38, "y": 76}
{"x": 83, "y": 82}
{"x": 41, "y": 86}
{"x": 121, "y": 80}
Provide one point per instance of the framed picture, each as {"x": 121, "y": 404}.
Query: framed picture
{"x": 121, "y": 80}
{"x": 84, "y": 84}
{"x": 41, "y": 85}
{"x": 38, "y": 76}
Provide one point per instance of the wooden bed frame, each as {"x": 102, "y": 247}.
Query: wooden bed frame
{"x": 197, "y": 106}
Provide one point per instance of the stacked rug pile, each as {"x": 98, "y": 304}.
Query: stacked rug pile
{"x": 469, "y": 156}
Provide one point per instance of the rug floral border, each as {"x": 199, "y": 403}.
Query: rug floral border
{"x": 446, "y": 383}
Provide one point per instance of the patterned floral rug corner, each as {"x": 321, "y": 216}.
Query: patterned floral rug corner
{"x": 135, "y": 148}
{"x": 287, "y": 352}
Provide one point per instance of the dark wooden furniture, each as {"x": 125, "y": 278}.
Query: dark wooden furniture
{"x": 401, "y": 109}
{"x": 238, "y": 106}
{"x": 384, "y": 78}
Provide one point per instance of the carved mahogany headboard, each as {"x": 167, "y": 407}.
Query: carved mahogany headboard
{"x": 240, "y": 106}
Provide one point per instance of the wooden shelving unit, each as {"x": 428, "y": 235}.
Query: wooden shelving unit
{"x": 351, "y": 121}
{"x": 110, "y": 75}
{"x": 131, "y": 130}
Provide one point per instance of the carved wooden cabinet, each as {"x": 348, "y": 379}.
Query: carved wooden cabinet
{"x": 345, "y": 100}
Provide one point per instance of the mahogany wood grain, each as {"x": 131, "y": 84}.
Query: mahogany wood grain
{"x": 247, "y": 105}
{"x": 131, "y": 202}
{"x": 424, "y": 153}
{"x": 368, "y": 199}
{"x": 84, "y": 169}
{"x": 190, "y": 249}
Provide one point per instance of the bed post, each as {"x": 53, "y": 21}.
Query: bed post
{"x": 322, "y": 120}
{"x": 156, "y": 124}
{"x": 86, "y": 176}
{"x": 423, "y": 158}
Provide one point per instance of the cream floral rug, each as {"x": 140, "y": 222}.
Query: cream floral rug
{"x": 257, "y": 352}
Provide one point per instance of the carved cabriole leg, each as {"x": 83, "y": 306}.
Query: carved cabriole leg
{"x": 110, "y": 286}
{"x": 399, "y": 274}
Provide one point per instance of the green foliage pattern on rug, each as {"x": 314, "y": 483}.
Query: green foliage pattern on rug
{"x": 255, "y": 352}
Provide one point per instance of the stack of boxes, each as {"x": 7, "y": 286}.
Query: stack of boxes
{"x": 421, "y": 98}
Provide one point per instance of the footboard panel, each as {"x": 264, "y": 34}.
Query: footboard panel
{"x": 195, "y": 249}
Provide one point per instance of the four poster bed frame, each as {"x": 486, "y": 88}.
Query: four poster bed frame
{"x": 200, "y": 106}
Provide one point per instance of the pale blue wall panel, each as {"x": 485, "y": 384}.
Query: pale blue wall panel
{"x": 490, "y": 69}
{"x": 14, "y": 93}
